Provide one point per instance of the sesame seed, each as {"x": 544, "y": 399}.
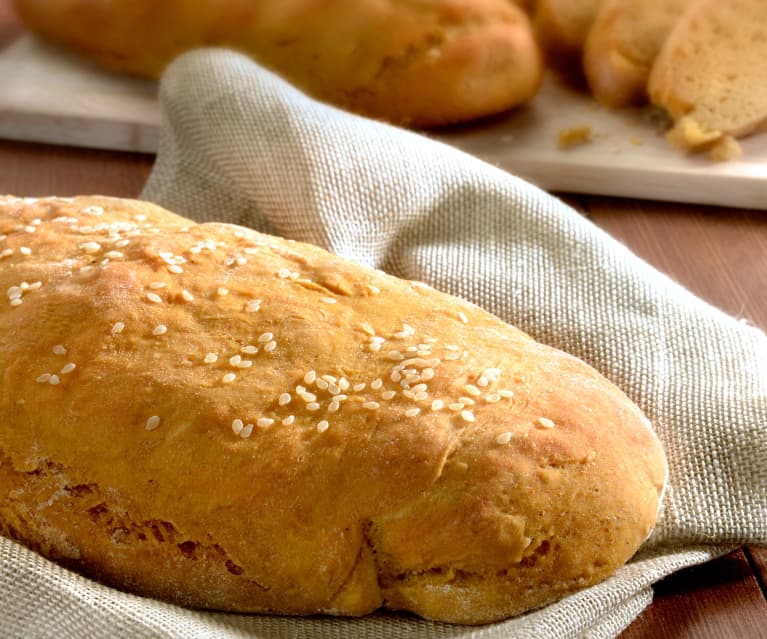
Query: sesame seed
{"x": 153, "y": 422}
{"x": 156, "y": 285}
{"x": 467, "y": 415}
{"x": 395, "y": 356}
{"x": 235, "y": 360}
{"x": 43, "y": 379}
{"x": 420, "y": 396}
{"x": 59, "y": 349}
{"x": 483, "y": 381}
{"x": 118, "y": 327}
{"x": 247, "y": 431}
{"x": 300, "y": 389}
{"x": 418, "y": 388}
{"x": 334, "y": 389}
{"x": 270, "y": 346}
{"x": 322, "y": 384}
{"x": 344, "y": 383}
{"x": 456, "y": 406}
{"x": 6, "y": 252}
{"x": 283, "y": 273}
{"x": 395, "y": 376}
{"x": 328, "y": 300}
{"x": 468, "y": 401}
{"x": 122, "y": 243}
{"x": 462, "y": 317}
{"x": 374, "y": 346}
{"x": 283, "y": 399}
{"x": 472, "y": 390}
{"x": 388, "y": 394}
{"x": 25, "y": 250}
{"x": 253, "y": 306}
{"x": 228, "y": 378}
{"x": 503, "y": 438}
{"x": 371, "y": 405}
{"x": 53, "y": 380}
{"x": 241, "y": 261}
{"x": 265, "y": 337}
{"x": 359, "y": 387}
{"x": 545, "y": 422}
{"x": 288, "y": 420}
{"x": 376, "y": 384}
{"x": 67, "y": 368}
{"x": 437, "y": 404}
{"x": 245, "y": 363}
{"x": 333, "y": 407}
{"x": 264, "y": 422}
{"x": 412, "y": 412}
{"x": 114, "y": 255}
{"x": 507, "y": 394}
{"x": 90, "y": 247}
{"x": 222, "y": 290}
{"x": 330, "y": 379}
{"x": 154, "y": 297}
{"x": 308, "y": 397}
{"x": 310, "y": 377}
{"x": 186, "y": 296}
{"x": 16, "y": 301}
{"x": 493, "y": 398}
{"x": 237, "y": 426}
{"x": 210, "y": 358}
{"x": 312, "y": 406}
{"x": 427, "y": 374}
{"x": 339, "y": 397}
{"x": 374, "y": 289}
{"x": 160, "y": 329}
{"x": 249, "y": 349}
{"x": 452, "y": 356}
{"x": 322, "y": 426}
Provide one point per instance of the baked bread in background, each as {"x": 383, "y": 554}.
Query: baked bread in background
{"x": 561, "y": 27}
{"x": 622, "y": 45}
{"x": 224, "y": 419}
{"x": 413, "y": 63}
{"x": 711, "y": 77}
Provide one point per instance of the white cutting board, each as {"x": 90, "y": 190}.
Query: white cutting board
{"x": 49, "y": 96}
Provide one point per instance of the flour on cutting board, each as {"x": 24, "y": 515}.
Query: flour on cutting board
{"x": 47, "y": 95}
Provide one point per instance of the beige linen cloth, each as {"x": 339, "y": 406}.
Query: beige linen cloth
{"x": 240, "y": 145}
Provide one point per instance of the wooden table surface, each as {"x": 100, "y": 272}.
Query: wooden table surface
{"x": 719, "y": 254}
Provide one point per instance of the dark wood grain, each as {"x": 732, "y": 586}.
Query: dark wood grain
{"x": 758, "y": 559}
{"x": 718, "y": 600}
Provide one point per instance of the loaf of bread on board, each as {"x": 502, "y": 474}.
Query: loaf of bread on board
{"x": 224, "y": 419}
{"x": 622, "y": 45}
{"x": 413, "y": 63}
{"x": 561, "y": 27}
{"x": 710, "y": 75}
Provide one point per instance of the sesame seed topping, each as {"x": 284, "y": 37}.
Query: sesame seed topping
{"x": 59, "y": 349}
{"x": 122, "y": 243}
{"x": 333, "y": 407}
{"x": 90, "y": 247}
{"x": 154, "y": 297}
{"x": 249, "y": 349}
{"x": 222, "y": 290}
{"x": 114, "y": 255}
{"x": 334, "y": 389}
{"x": 503, "y": 438}
{"x": 247, "y": 431}
{"x": 462, "y": 317}
{"x": 418, "y": 388}
{"x": 328, "y": 300}
{"x": 16, "y": 301}
{"x": 322, "y": 426}
{"x": 545, "y": 422}
{"x": 237, "y": 426}
{"x": 43, "y": 379}
{"x": 253, "y": 305}
{"x": 283, "y": 273}
{"x": 25, "y": 250}
{"x": 312, "y": 406}
{"x": 472, "y": 390}
{"x": 270, "y": 346}
{"x": 67, "y": 368}
{"x": 452, "y": 356}
{"x": 322, "y": 384}
{"x": 507, "y": 394}
{"x": 467, "y": 415}
{"x": 264, "y": 422}
{"x": 455, "y": 406}
{"x": 245, "y": 363}
{"x": 344, "y": 383}
{"x": 308, "y": 397}
{"x": 156, "y": 285}
{"x": 437, "y": 404}
{"x": 376, "y": 384}
{"x": 310, "y": 377}
{"x": 283, "y": 399}
{"x": 359, "y": 387}
{"x": 53, "y": 380}
{"x": 228, "y": 378}
{"x": 153, "y": 422}
{"x": 288, "y": 420}
{"x": 493, "y": 398}
{"x": 427, "y": 374}
{"x": 235, "y": 360}
{"x": 395, "y": 356}
{"x": 118, "y": 327}
{"x": 371, "y": 405}
{"x": 412, "y": 412}
{"x": 265, "y": 337}
{"x": 483, "y": 381}
{"x": 6, "y": 252}
{"x": 175, "y": 268}
{"x": 388, "y": 394}
{"x": 210, "y": 358}
{"x": 160, "y": 329}
{"x": 467, "y": 401}
{"x": 374, "y": 289}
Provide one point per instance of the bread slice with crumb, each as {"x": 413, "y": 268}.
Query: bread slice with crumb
{"x": 710, "y": 75}
{"x": 622, "y": 45}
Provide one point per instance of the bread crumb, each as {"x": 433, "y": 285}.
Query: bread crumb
{"x": 725, "y": 149}
{"x": 572, "y": 137}
{"x": 688, "y": 135}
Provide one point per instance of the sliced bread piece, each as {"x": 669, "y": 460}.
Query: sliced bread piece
{"x": 622, "y": 45}
{"x": 711, "y": 75}
{"x": 561, "y": 27}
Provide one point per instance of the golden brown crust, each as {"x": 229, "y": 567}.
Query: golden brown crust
{"x": 422, "y": 64}
{"x": 122, "y": 455}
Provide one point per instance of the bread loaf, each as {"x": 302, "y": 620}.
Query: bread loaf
{"x": 413, "y": 63}
{"x": 622, "y": 45}
{"x": 710, "y": 74}
{"x": 562, "y": 26}
{"x": 224, "y": 419}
